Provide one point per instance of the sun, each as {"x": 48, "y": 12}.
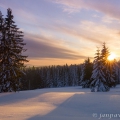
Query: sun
{"x": 111, "y": 56}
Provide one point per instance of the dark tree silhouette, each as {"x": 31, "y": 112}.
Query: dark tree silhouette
{"x": 11, "y": 58}
{"x": 86, "y": 73}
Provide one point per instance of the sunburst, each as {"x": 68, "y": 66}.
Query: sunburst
{"x": 111, "y": 56}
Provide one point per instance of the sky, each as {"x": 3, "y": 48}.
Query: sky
{"x": 57, "y": 32}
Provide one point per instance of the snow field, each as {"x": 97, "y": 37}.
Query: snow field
{"x": 68, "y": 103}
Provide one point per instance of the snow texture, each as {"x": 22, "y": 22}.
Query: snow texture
{"x": 69, "y": 103}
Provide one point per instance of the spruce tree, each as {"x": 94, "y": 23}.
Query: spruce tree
{"x": 108, "y": 67}
{"x": 11, "y": 58}
{"x": 103, "y": 75}
{"x": 98, "y": 77}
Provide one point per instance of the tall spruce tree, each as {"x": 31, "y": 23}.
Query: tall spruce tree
{"x": 11, "y": 58}
{"x": 108, "y": 67}
{"x": 103, "y": 75}
{"x": 98, "y": 77}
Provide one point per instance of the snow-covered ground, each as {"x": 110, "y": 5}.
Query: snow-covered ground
{"x": 69, "y": 103}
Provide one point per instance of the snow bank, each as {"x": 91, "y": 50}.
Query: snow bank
{"x": 69, "y": 103}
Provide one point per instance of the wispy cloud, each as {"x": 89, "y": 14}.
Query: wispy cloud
{"x": 108, "y": 7}
{"x": 21, "y": 14}
{"x": 86, "y": 36}
{"x": 45, "y": 49}
{"x": 109, "y": 20}
{"x": 88, "y": 31}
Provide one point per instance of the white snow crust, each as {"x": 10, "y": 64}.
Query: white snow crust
{"x": 68, "y": 103}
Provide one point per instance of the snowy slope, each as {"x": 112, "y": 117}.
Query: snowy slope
{"x": 69, "y": 103}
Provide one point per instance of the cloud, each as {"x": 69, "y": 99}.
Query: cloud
{"x": 109, "y": 20}
{"x": 77, "y": 35}
{"x": 22, "y": 14}
{"x": 87, "y": 31}
{"x": 40, "y": 49}
{"x": 108, "y": 7}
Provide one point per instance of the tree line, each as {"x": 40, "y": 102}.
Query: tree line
{"x": 51, "y": 76}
